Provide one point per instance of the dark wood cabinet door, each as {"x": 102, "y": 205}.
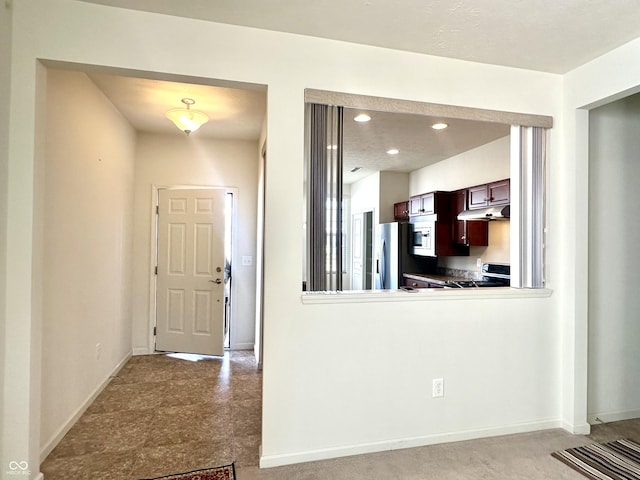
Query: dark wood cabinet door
{"x": 477, "y": 233}
{"x": 428, "y": 203}
{"x": 467, "y": 233}
{"x": 478, "y": 197}
{"x": 415, "y": 205}
{"x": 459, "y": 204}
{"x": 422, "y": 204}
{"x": 499, "y": 193}
{"x": 401, "y": 211}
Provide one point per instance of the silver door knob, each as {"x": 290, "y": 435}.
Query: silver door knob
{"x": 217, "y": 280}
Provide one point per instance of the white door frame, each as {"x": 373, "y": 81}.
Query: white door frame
{"x": 154, "y": 253}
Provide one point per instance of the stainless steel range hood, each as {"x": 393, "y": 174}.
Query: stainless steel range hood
{"x": 501, "y": 212}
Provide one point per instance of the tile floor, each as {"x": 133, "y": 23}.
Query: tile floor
{"x": 162, "y": 415}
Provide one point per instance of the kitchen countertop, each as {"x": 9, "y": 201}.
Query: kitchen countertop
{"x": 434, "y": 278}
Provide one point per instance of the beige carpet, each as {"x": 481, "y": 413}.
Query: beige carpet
{"x": 513, "y": 457}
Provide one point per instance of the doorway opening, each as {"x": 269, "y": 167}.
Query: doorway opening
{"x": 193, "y": 245}
{"x": 228, "y": 255}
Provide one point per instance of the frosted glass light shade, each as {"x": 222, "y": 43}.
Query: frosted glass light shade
{"x": 186, "y": 119}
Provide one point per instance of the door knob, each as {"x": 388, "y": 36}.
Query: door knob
{"x": 217, "y": 280}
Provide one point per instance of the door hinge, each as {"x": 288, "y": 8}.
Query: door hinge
{"x": 156, "y": 270}
{"x": 154, "y": 331}
{"x": 157, "y": 209}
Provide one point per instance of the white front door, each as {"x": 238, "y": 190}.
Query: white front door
{"x": 190, "y": 281}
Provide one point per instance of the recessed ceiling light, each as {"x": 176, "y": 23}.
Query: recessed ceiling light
{"x": 439, "y": 126}
{"x": 363, "y": 117}
{"x": 393, "y": 151}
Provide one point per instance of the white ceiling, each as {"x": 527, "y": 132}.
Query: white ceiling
{"x": 234, "y": 113}
{"x": 546, "y": 35}
{"x": 237, "y": 113}
{"x": 365, "y": 145}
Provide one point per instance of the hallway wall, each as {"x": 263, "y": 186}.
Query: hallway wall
{"x": 87, "y": 247}
{"x": 5, "y": 96}
{"x": 614, "y": 265}
{"x": 164, "y": 160}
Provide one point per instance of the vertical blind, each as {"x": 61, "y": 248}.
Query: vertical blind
{"x": 528, "y": 153}
{"x": 324, "y": 190}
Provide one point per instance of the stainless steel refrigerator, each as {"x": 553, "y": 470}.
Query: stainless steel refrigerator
{"x": 392, "y": 255}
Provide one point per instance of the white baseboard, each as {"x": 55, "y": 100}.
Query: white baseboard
{"x": 141, "y": 351}
{"x": 606, "y": 417}
{"x": 267, "y": 461}
{"x": 62, "y": 431}
{"x": 577, "y": 429}
{"x": 241, "y": 346}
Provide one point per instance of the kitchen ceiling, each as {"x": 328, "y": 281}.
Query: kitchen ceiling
{"x": 366, "y": 144}
{"x": 547, "y": 35}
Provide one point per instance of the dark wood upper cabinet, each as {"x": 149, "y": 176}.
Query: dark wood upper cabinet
{"x": 424, "y": 204}
{"x": 499, "y": 192}
{"x": 464, "y": 232}
{"x": 478, "y": 197}
{"x": 490, "y": 194}
{"x": 401, "y": 211}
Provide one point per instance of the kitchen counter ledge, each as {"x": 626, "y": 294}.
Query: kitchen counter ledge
{"x": 423, "y": 295}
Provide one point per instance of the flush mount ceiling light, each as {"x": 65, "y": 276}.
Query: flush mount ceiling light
{"x": 186, "y": 119}
{"x": 393, "y": 151}
{"x": 363, "y": 117}
{"x": 439, "y": 126}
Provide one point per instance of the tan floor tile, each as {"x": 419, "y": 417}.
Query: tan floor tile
{"x": 246, "y": 387}
{"x": 94, "y": 466}
{"x": 247, "y": 417}
{"x": 184, "y": 457}
{"x": 246, "y": 450}
{"x": 162, "y": 415}
{"x": 191, "y": 423}
{"x": 109, "y": 432}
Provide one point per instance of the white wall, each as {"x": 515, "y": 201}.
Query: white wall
{"x": 394, "y": 188}
{"x": 87, "y": 241}
{"x": 605, "y": 79}
{"x": 378, "y": 192}
{"x": 164, "y": 160}
{"x": 483, "y": 164}
{"x": 509, "y": 365}
{"x": 614, "y": 266}
{"x": 5, "y": 97}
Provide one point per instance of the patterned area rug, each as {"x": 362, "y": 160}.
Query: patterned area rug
{"x": 619, "y": 460}
{"x": 227, "y": 472}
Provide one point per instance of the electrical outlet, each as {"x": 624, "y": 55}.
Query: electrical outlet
{"x": 98, "y": 351}
{"x": 247, "y": 260}
{"x": 438, "y": 387}
{"x": 478, "y": 262}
